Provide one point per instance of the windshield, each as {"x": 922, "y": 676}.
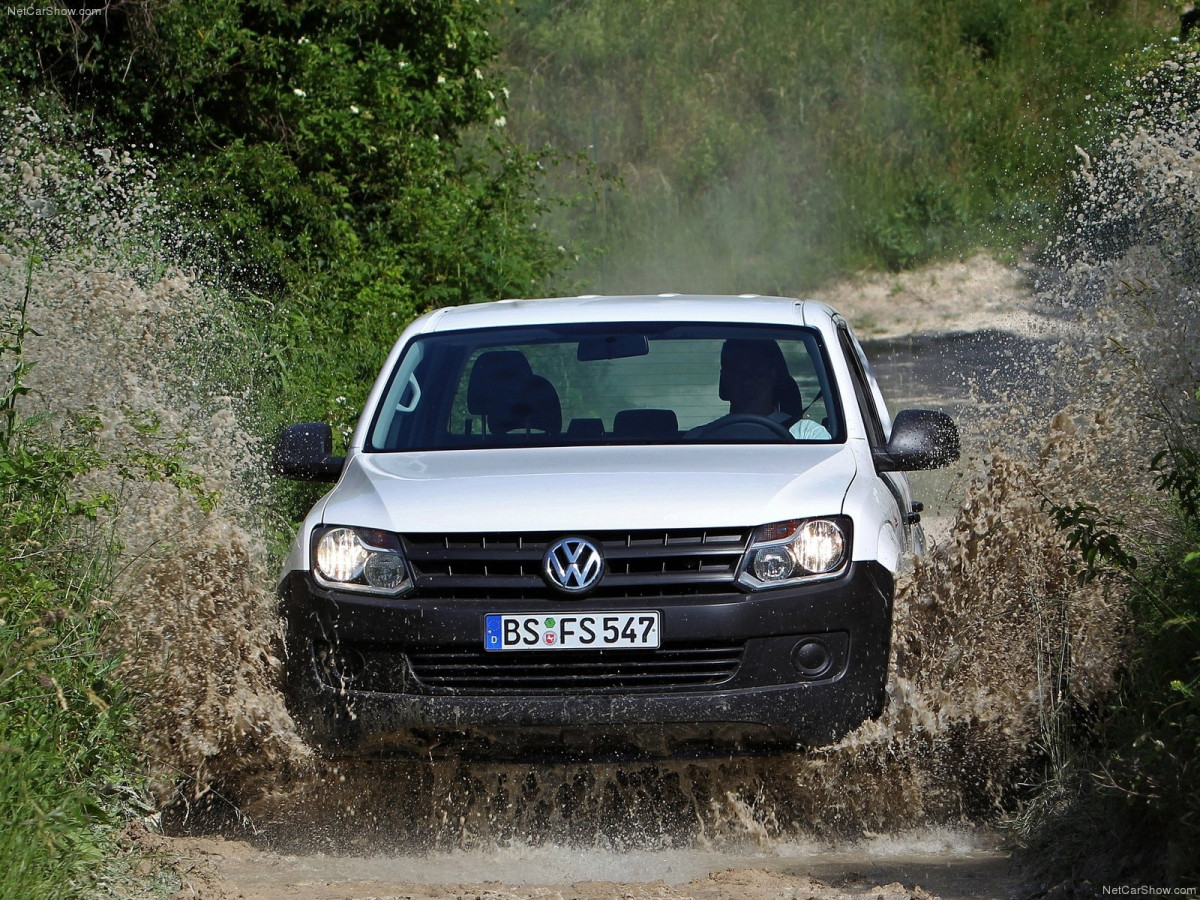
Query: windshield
{"x": 643, "y": 383}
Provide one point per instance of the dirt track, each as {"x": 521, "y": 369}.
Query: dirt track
{"x": 899, "y": 868}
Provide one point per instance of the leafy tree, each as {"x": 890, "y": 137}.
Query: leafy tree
{"x": 348, "y": 161}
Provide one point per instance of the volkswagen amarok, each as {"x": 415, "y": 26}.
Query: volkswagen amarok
{"x": 651, "y": 524}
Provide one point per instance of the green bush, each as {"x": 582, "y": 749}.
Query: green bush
{"x": 348, "y": 161}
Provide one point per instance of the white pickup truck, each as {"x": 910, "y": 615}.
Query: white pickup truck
{"x": 652, "y": 524}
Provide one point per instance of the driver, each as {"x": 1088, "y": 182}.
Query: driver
{"x": 756, "y": 382}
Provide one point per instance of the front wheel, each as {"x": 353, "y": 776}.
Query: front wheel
{"x": 320, "y": 711}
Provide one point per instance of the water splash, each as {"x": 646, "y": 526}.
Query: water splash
{"x": 128, "y": 340}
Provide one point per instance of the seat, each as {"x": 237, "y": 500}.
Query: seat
{"x": 504, "y": 390}
{"x": 785, "y": 391}
{"x": 533, "y": 406}
{"x": 646, "y": 425}
{"x": 494, "y": 369}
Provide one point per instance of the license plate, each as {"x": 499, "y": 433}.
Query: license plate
{"x": 572, "y": 631}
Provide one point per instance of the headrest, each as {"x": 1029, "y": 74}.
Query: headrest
{"x": 646, "y": 423}
{"x": 737, "y": 352}
{"x": 495, "y": 371}
{"x": 533, "y": 406}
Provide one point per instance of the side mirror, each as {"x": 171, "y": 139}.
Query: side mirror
{"x": 921, "y": 439}
{"x": 305, "y": 453}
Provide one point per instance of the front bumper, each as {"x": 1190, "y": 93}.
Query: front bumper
{"x": 370, "y": 672}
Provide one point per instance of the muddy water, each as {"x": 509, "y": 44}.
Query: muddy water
{"x": 946, "y": 864}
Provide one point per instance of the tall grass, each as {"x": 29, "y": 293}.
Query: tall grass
{"x": 768, "y": 146}
{"x": 68, "y": 770}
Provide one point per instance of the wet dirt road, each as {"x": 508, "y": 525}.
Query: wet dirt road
{"x": 949, "y": 865}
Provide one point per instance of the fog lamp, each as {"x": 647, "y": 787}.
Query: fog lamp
{"x": 385, "y": 571}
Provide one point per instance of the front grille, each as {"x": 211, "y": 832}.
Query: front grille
{"x": 561, "y": 671}
{"x": 638, "y": 563}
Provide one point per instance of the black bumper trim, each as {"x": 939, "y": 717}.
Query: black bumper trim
{"x": 768, "y": 694}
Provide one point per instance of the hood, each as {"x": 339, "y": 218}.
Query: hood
{"x": 590, "y": 488}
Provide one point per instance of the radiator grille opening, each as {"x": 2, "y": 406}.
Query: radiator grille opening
{"x": 638, "y": 564}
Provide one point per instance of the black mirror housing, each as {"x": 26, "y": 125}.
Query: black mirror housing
{"x": 612, "y": 346}
{"x": 304, "y": 452}
{"x": 921, "y": 439}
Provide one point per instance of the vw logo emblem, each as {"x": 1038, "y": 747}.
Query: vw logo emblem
{"x": 573, "y": 565}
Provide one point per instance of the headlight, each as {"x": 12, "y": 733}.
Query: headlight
{"x": 820, "y": 546}
{"x": 359, "y": 559}
{"x": 797, "y": 550}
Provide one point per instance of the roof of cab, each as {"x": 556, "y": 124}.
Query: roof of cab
{"x": 633, "y": 308}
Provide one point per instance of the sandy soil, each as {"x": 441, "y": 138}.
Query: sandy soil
{"x": 970, "y": 295}
{"x": 978, "y": 294}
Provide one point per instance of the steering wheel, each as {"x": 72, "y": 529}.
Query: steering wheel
{"x": 731, "y": 422}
